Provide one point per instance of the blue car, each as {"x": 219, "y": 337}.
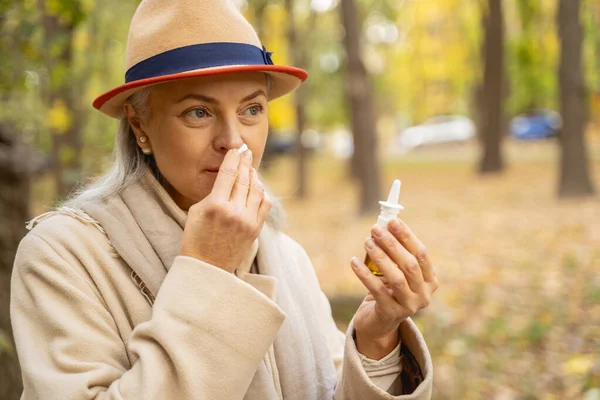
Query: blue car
{"x": 538, "y": 125}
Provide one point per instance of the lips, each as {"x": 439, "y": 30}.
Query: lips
{"x": 212, "y": 169}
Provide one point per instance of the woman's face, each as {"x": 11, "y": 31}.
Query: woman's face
{"x": 194, "y": 122}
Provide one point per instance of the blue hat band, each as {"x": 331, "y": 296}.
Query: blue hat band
{"x": 198, "y": 56}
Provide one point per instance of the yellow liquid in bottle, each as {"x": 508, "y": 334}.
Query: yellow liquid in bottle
{"x": 371, "y": 265}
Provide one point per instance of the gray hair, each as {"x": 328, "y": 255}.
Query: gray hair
{"x": 130, "y": 163}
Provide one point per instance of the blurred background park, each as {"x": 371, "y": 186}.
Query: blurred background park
{"x": 487, "y": 110}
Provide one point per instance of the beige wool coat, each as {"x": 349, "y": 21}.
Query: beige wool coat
{"x": 103, "y": 308}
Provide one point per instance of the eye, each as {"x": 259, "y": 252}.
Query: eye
{"x": 197, "y": 113}
{"x": 253, "y": 111}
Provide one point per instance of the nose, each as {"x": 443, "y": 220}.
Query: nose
{"x": 228, "y": 136}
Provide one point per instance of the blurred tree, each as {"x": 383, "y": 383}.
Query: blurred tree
{"x": 17, "y": 165}
{"x": 531, "y": 51}
{"x": 593, "y": 33}
{"x": 256, "y": 13}
{"x": 574, "y": 170}
{"x": 433, "y": 62}
{"x": 492, "y": 94}
{"x": 274, "y": 27}
{"x": 299, "y": 40}
{"x": 62, "y": 92}
{"x": 20, "y": 41}
{"x": 364, "y": 164}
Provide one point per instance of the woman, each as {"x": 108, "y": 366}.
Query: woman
{"x": 169, "y": 277}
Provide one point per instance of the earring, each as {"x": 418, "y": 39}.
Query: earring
{"x": 143, "y": 139}
{"x": 147, "y": 151}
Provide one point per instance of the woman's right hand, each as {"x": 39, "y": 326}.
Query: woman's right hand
{"x": 221, "y": 228}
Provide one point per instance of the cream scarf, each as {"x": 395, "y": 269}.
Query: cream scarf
{"x": 145, "y": 227}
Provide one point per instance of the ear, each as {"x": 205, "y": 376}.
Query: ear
{"x": 134, "y": 120}
{"x": 136, "y": 126}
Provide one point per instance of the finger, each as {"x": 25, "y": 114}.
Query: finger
{"x": 394, "y": 276}
{"x": 227, "y": 175}
{"x": 374, "y": 285}
{"x": 239, "y": 194}
{"x": 409, "y": 240}
{"x": 255, "y": 193}
{"x": 401, "y": 257}
{"x": 264, "y": 208}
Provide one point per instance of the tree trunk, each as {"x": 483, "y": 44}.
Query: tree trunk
{"x": 66, "y": 144}
{"x": 364, "y": 164}
{"x": 301, "y": 168}
{"x": 299, "y": 57}
{"x": 491, "y": 122}
{"x": 17, "y": 164}
{"x": 574, "y": 170}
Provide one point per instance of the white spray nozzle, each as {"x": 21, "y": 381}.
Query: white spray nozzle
{"x": 393, "y": 196}
{"x": 243, "y": 148}
{"x": 394, "y": 192}
{"x": 390, "y": 208}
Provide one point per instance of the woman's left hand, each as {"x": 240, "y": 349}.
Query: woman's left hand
{"x": 405, "y": 288}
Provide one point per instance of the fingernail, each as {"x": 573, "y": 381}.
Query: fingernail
{"x": 355, "y": 263}
{"x": 395, "y": 225}
{"x": 248, "y": 155}
{"x": 378, "y": 231}
{"x": 370, "y": 244}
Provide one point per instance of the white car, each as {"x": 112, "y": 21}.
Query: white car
{"x": 442, "y": 129}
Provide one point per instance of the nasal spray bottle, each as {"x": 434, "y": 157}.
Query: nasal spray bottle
{"x": 389, "y": 210}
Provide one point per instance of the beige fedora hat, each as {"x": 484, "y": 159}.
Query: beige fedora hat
{"x": 179, "y": 39}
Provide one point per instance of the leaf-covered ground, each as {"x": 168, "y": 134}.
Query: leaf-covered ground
{"x": 518, "y": 312}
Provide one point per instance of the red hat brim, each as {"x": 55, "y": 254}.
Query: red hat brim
{"x": 284, "y": 80}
